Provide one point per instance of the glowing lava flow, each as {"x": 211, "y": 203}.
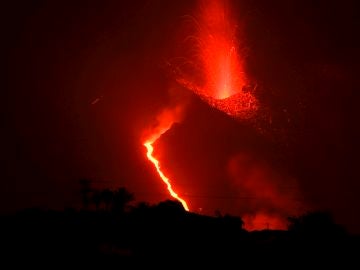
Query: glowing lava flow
{"x": 150, "y": 149}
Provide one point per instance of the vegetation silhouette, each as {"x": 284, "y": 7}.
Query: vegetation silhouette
{"x": 109, "y": 230}
{"x": 85, "y": 191}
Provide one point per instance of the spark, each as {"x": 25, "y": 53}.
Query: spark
{"x": 96, "y": 100}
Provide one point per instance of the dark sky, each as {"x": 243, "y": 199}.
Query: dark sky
{"x": 60, "y": 56}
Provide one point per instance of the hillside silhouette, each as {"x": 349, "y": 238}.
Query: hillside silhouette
{"x": 109, "y": 232}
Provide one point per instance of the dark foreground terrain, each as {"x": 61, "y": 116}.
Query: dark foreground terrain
{"x": 167, "y": 236}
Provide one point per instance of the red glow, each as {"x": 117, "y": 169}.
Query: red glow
{"x": 261, "y": 221}
{"x": 273, "y": 196}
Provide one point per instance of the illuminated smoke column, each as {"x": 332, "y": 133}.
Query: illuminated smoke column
{"x": 223, "y": 84}
{"x": 165, "y": 120}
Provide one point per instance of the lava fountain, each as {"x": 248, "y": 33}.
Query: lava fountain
{"x": 219, "y": 61}
{"x": 222, "y": 65}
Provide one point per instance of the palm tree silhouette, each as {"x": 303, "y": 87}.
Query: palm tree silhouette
{"x": 107, "y": 197}
{"x": 85, "y": 191}
{"x": 121, "y": 199}
{"x": 97, "y": 199}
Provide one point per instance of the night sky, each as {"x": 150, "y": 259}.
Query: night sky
{"x": 84, "y": 80}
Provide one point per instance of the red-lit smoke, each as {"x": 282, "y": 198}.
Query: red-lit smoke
{"x": 271, "y": 197}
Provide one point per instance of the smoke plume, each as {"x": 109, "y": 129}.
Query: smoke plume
{"x": 270, "y": 196}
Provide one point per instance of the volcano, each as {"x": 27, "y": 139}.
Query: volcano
{"x": 223, "y": 165}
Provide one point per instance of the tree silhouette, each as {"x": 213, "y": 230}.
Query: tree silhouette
{"x": 170, "y": 207}
{"x": 121, "y": 198}
{"x": 142, "y": 206}
{"x": 107, "y": 197}
{"x": 85, "y": 191}
{"x": 233, "y": 221}
{"x": 97, "y": 199}
{"x": 318, "y": 223}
